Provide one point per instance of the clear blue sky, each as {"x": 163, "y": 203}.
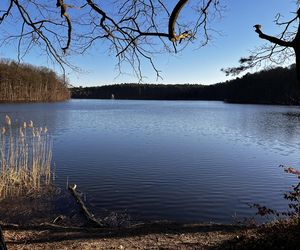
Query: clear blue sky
{"x": 192, "y": 65}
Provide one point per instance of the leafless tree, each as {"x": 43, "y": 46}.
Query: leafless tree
{"x": 279, "y": 50}
{"x": 26, "y": 83}
{"x": 132, "y": 30}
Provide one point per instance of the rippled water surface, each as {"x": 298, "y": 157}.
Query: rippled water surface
{"x": 176, "y": 160}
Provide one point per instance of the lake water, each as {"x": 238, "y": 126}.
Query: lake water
{"x": 187, "y": 161}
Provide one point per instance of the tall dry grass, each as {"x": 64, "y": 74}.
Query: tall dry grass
{"x": 25, "y": 159}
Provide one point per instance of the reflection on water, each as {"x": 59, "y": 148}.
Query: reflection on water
{"x": 177, "y": 160}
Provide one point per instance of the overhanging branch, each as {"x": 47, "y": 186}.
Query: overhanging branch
{"x": 272, "y": 39}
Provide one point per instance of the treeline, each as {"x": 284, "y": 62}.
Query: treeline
{"x": 27, "y": 83}
{"x": 139, "y": 91}
{"x": 274, "y": 86}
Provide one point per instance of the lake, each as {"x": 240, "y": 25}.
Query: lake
{"x": 185, "y": 161}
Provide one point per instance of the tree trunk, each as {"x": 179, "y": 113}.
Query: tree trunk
{"x": 2, "y": 242}
{"x": 297, "y": 55}
{"x": 296, "y": 90}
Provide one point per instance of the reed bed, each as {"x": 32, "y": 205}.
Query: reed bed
{"x": 25, "y": 159}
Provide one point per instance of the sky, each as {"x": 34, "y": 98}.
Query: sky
{"x": 235, "y": 38}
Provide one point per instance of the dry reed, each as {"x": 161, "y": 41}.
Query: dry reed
{"x": 25, "y": 159}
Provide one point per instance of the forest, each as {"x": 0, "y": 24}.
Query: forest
{"x": 270, "y": 86}
{"x": 27, "y": 83}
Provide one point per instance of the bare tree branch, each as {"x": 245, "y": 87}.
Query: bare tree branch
{"x": 272, "y": 39}
{"x": 130, "y": 30}
{"x": 281, "y": 49}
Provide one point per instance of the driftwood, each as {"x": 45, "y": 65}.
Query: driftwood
{"x": 2, "y": 242}
{"x": 91, "y": 218}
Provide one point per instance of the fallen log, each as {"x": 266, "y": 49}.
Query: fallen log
{"x": 2, "y": 242}
{"x": 90, "y": 217}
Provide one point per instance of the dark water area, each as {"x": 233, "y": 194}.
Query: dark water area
{"x": 185, "y": 161}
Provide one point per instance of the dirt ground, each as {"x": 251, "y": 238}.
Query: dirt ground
{"x": 160, "y": 235}
{"x": 154, "y": 236}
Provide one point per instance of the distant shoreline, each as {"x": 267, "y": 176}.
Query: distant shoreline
{"x": 276, "y": 86}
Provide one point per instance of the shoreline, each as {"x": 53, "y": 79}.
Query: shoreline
{"x": 41, "y": 226}
{"x": 156, "y": 235}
